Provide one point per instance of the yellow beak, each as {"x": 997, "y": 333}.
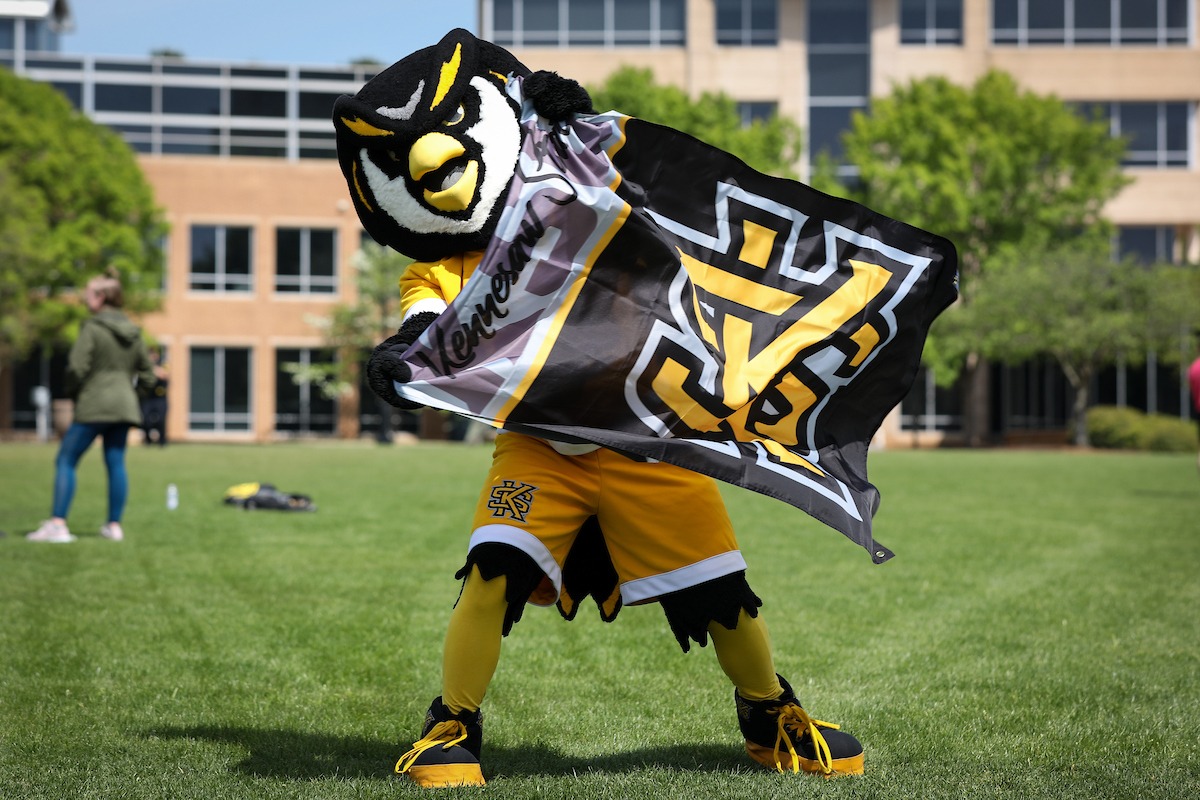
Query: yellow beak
{"x": 431, "y": 152}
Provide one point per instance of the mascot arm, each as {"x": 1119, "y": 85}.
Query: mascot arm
{"x": 386, "y": 365}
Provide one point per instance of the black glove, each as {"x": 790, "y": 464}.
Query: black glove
{"x": 556, "y": 98}
{"x": 385, "y": 365}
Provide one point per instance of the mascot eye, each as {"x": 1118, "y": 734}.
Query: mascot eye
{"x": 459, "y": 114}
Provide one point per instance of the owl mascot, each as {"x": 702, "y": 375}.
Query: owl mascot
{"x": 429, "y": 148}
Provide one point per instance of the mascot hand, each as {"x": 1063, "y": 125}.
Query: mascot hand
{"x": 556, "y": 98}
{"x": 386, "y": 367}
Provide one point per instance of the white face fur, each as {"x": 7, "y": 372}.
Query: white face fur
{"x": 499, "y": 134}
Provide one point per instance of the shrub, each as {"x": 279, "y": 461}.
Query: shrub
{"x": 1129, "y": 429}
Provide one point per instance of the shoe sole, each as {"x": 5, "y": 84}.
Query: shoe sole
{"x": 56, "y": 540}
{"x": 850, "y": 765}
{"x": 441, "y": 776}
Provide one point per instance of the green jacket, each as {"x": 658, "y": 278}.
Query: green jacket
{"x": 104, "y": 362}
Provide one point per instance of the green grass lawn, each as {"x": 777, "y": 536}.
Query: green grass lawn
{"x": 1037, "y": 636}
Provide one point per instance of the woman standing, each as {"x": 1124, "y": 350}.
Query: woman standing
{"x": 103, "y": 364}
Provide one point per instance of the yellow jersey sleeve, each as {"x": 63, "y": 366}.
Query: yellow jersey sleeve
{"x": 432, "y": 285}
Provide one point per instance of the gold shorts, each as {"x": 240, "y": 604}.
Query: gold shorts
{"x": 666, "y": 527}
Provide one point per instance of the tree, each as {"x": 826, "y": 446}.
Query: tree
{"x": 73, "y": 202}
{"x": 990, "y": 167}
{"x": 1076, "y": 303}
{"x": 771, "y": 146}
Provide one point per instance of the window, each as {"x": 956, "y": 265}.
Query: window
{"x": 929, "y": 407}
{"x": 596, "y": 23}
{"x": 317, "y": 105}
{"x": 219, "y": 389}
{"x": 1090, "y": 22}
{"x": 839, "y": 68}
{"x": 305, "y": 260}
{"x": 8, "y": 34}
{"x": 302, "y": 407}
{"x": 123, "y": 97}
{"x": 191, "y": 100}
{"x": 756, "y": 111}
{"x": 1157, "y": 132}
{"x": 1147, "y": 243}
{"x": 931, "y": 22}
{"x": 747, "y": 22}
{"x": 221, "y": 260}
{"x": 257, "y": 103}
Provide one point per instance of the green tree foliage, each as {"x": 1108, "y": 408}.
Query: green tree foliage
{"x": 771, "y": 146}
{"x": 991, "y": 167}
{"x": 1079, "y": 305}
{"x": 73, "y": 202}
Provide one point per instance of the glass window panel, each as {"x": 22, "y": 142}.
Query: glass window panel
{"x": 1004, "y": 14}
{"x": 8, "y": 34}
{"x": 257, "y": 103}
{"x": 764, "y": 22}
{"x": 1047, "y": 15}
{"x": 1177, "y": 15}
{"x": 287, "y": 393}
{"x": 1139, "y": 124}
{"x": 541, "y": 16}
{"x": 237, "y": 380}
{"x": 729, "y": 22}
{"x": 287, "y": 251}
{"x": 1177, "y": 126}
{"x": 189, "y": 69}
{"x": 838, "y": 75}
{"x": 502, "y": 15}
{"x": 586, "y": 16}
{"x": 631, "y": 16}
{"x": 913, "y": 21}
{"x": 237, "y": 251}
{"x": 202, "y": 392}
{"x": 317, "y": 105}
{"x": 123, "y": 66}
{"x": 204, "y": 249}
{"x": 191, "y": 100}
{"x": 838, "y": 22}
{"x": 123, "y": 97}
{"x": 671, "y": 18}
{"x": 826, "y": 126}
{"x": 948, "y": 15}
{"x": 1093, "y": 14}
{"x": 1139, "y": 241}
{"x": 257, "y": 72}
{"x": 321, "y": 255}
{"x": 1139, "y": 14}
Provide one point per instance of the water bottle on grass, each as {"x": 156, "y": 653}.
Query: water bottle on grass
{"x": 172, "y": 497}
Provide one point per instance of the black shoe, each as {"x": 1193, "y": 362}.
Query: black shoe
{"x": 447, "y": 754}
{"x": 772, "y": 726}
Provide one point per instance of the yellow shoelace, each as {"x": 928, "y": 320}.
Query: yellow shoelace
{"x": 793, "y": 717}
{"x": 447, "y": 734}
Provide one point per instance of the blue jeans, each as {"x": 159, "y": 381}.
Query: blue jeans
{"x": 78, "y": 439}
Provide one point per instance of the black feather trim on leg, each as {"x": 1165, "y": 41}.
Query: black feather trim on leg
{"x": 690, "y": 611}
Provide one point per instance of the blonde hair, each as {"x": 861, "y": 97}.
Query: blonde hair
{"x": 108, "y": 288}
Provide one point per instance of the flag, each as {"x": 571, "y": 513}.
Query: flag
{"x": 652, "y": 294}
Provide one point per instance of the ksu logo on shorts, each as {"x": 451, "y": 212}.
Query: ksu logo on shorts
{"x": 511, "y": 499}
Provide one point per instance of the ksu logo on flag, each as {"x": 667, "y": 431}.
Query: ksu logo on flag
{"x": 654, "y": 295}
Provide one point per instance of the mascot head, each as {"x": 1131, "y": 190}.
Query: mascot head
{"x": 429, "y": 146}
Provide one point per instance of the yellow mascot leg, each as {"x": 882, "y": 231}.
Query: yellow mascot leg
{"x": 472, "y": 648}
{"x": 447, "y": 754}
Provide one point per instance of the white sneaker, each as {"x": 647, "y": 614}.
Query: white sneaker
{"x": 51, "y": 531}
{"x": 112, "y": 531}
